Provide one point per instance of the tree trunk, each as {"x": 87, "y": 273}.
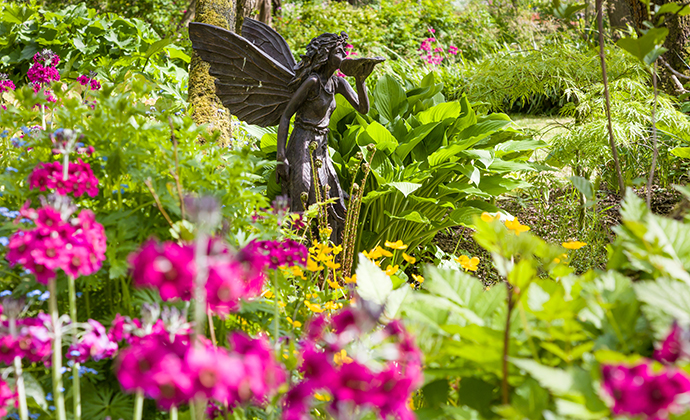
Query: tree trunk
{"x": 619, "y": 16}
{"x": 676, "y": 42}
{"x": 207, "y": 108}
{"x": 265, "y": 12}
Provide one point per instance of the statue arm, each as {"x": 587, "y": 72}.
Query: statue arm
{"x": 293, "y": 105}
{"x": 359, "y": 100}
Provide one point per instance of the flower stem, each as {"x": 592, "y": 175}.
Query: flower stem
{"x": 57, "y": 352}
{"x": 506, "y": 347}
{"x": 19, "y": 378}
{"x": 138, "y": 405}
{"x": 76, "y": 385}
{"x": 277, "y": 309}
{"x": 21, "y": 392}
{"x": 173, "y": 413}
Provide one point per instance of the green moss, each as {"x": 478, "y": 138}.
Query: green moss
{"x": 202, "y": 90}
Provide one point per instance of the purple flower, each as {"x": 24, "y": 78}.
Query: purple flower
{"x": 638, "y": 391}
{"x": 672, "y": 347}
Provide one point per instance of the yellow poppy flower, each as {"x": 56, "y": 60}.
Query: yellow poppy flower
{"x": 313, "y": 307}
{"x": 398, "y": 245}
{"x": 268, "y": 294}
{"x": 488, "y": 217}
{"x": 330, "y": 264}
{"x": 373, "y": 254}
{"x": 351, "y": 280}
{"x": 410, "y": 259}
{"x": 418, "y": 279}
{"x": 330, "y": 305}
{"x": 381, "y": 252}
{"x": 390, "y": 270}
{"x": 573, "y": 244}
{"x": 472, "y": 264}
{"x": 337, "y": 250}
{"x": 281, "y": 304}
{"x": 463, "y": 259}
{"x": 312, "y": 265}
{"x": 515, "y": 226}
{"x": 341, "y": 357}
{"x": 334, "y": 285}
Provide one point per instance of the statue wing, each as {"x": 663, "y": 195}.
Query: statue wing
{"x": 249, "y": 82}
{"x": 269, "y": 41}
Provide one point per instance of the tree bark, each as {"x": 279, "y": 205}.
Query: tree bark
{"x": 619, "y": 16}
{"x": 676, "y": 42}
{"x": 207, "y": 108}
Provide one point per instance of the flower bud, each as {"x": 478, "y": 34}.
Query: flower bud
{"x": 304, "y": 196}
{"x": 312, "y": 146}
{"x": 371, "y": 147}
{"x": 365, "y": 167}
{"x": 318, "y": 163}
{"x": 359, "y": 156}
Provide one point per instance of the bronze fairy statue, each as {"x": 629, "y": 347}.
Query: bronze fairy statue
{"x": 259, "y": 81}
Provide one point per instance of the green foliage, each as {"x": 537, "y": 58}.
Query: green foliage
{"x": 563, "y": 327}
{"x": 133, "y": 145}
{"x": 85, "y": 41}
{"x": 436, "y": 162}
{"x": 584, "y": 146}
{"x": 393, "y": 28}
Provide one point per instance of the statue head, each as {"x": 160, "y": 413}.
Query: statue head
{"x": 320, "y": 50}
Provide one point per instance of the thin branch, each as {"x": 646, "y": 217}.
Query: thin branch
{"x": 607, "y": 97}
{"x": 158, "y": 202}
{"x": 672, "y": 70}
{"x": 176, "y": 173}
{"x": 506, "y": 346}
{"x": 655, "y": 156}
{"x": 187, "y": 17}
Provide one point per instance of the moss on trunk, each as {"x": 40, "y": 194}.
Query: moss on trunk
{"x": 207, "y": 108}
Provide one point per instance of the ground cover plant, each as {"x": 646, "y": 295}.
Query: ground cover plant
{"x": 490, "y": 267}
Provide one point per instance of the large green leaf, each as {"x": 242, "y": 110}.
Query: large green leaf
{"x": 372, "y": 284}
{"x": 389, "y": 98}
{"x": 440, "y": 112}
{"x": 380, "y": 136}
{"x": 646, "y": 48}
{"x": 413, "y": 138}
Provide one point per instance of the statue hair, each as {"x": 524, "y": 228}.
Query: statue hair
{"x": 316, "y": 56}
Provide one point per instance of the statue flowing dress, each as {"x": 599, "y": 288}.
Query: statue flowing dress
{"x": 254, "y": 75}
{"x": 311, "y": 124}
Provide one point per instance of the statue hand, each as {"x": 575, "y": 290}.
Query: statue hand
{"x": 283, "y": 170}
{"x": 365, "y": 71}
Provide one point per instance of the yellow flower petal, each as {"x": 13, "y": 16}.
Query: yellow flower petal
{"x": 383, "y": 252}
{"x": 337, "y": 250}
{"x": 351, "y": 280}
{"x": 418, "y": 279}
{"x": 390, "y": 270}
{"x": 410, "y": 259}
{"x": 516, "y": 227}
{"x": 573, "y": 244}
{"x": 330, "y": 264}
{"x": 268, "y": 294}
{"x": 487, "y": 217}
{"x": 313, "y": 265}
{"x": 396, "y": 245}
{"x": 322, "y": 397}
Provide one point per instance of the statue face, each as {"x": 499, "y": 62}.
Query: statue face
{"x": 336, "y": 56}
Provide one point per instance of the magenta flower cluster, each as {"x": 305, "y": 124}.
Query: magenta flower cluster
{"x": 170, "y": 267}
{"x": 5, "y": 83}
{"x": 80, "y": 178}
{"x": 285, "y": 253}
{"x": 675, "y": 346}
{"x": 639, "y": 391}
{"x": 8, "y": 399}
{"x": 434, "y": 55}
{"x": 172, "y": 370}
{"x": 95, "y": 343}
{"x": 31, "y": 342}
{"x": 44, "y": 71}
{"x": 86, "y": 80}
{"x": 383, "y": 385}
{"x": 58, "y": 241}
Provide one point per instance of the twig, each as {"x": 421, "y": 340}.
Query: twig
{"x": 158, "y": 202}
{"x": 607, "y": 97}
{"x": 187, "y": 17}
{"x": 176, "y": 174}
{"x": 506, "y": 345}
{"x": 672, "y": 70}
{"x": 655, "y": 155}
